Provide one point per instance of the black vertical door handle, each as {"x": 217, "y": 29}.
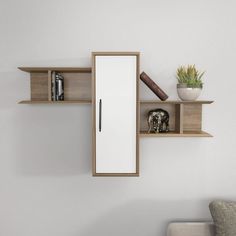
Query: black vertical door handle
{"x": 100, "y": 115}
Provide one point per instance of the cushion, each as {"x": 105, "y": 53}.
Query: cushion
{"x": 224, "y": 217}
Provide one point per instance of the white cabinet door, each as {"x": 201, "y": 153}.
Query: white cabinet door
{"x": 115, "y": 109}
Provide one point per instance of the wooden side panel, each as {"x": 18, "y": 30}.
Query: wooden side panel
{"x": 145, "y": 108}
{"x": 77, "y": 86}
{"x": 137, "y": 114}
{"x": 49, "y": 85}
{"x": 39, "y": 86}
{"x": 192, "y": 117}
{"x": 94, "y": 145}
{"x": 179, "y": 115}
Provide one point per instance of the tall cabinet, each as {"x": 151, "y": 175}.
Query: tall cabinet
{"x": 115, "y": 100}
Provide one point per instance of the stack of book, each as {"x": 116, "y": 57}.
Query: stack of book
{"x": 153, "y": 86}
{"x": 57, "y": 86}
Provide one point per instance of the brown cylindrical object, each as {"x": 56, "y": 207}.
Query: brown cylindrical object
{"x": 153, "y": 86}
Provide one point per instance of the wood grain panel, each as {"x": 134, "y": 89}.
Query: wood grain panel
{"x": 179, "y": 114}
{"x": 175, "y": 134}
{"x": 66, "y": 69}
{"x": 77, "y": 86}
{"x": 192, "y": 117}
{"x": 49, "y": 85}
{"x": 39, "y": 86}
{"x": 137, "y": 113}
{"x": 55, "y": 102}
{"x": 116, "y": 54}
{"x": 156, "y": 101}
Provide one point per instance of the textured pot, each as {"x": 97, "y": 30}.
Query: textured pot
{"x": 186, "y": 93}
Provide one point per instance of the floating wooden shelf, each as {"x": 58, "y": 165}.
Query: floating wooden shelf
{"x": 56, "y": 102}
{"x": 174, "y": 102}
{"x": 175, "y": 134}
{"x": 185, "y": 118}
{"x": 64, "y": 69}
{"x": 77, "y": 84}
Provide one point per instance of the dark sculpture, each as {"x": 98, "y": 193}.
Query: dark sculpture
{"x": 158, "y": 120}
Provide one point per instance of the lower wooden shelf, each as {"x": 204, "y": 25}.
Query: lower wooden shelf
{"x": 175, "y": 134}
{"x": 55, "y": 102}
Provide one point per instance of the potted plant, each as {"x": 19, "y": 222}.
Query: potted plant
{"x": 190, "y": 82}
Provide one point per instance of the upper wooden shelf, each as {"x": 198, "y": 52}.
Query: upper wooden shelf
{"x": 64, "y": 69}
{"x": 55, "y": 102}
{"x": 175, "y": 102}
{"x": 77, "y": 85}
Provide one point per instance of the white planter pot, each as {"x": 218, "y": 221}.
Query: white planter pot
{"x": 188, "y": 94}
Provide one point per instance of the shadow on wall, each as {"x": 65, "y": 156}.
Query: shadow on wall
{"x": 52, "y": 140}
{"x": 142, "y": 217}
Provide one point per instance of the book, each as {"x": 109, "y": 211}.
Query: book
{"x": 59, "y": 82}
{"x": 53, "y": 86}
{"x": 153, "y": 86}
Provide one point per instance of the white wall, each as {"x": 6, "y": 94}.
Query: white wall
{"x": 46, "y": 187}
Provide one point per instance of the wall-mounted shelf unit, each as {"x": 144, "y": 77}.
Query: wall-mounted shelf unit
{"x": 77, "y": 84}
{"x": 101, "y": 87}
{"x": 185, "y": 118}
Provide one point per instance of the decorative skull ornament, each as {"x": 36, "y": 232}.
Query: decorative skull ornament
{"x": 158, "y": 121}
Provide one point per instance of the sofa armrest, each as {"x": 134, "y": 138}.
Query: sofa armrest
{"x": 191, "y": 229}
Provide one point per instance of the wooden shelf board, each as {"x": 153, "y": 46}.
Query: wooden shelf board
{"x": 61, "y": 69}
{"x": 175, "y": 134}
{"x": 174, "y": 102}
{"x": 56, "y": 102}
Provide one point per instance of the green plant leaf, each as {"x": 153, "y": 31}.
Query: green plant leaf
{"x": 189, "y": 75}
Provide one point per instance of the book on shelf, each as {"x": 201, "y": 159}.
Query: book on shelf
{"x": 57, "y": 87}
{"x": 53, "y": 86}
{"x": 153, "y": 86}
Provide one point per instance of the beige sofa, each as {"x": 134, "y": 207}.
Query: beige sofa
{"x": 191, "y": 229}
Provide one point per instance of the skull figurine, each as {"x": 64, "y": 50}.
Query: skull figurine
{"x": 158, "y": 120}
